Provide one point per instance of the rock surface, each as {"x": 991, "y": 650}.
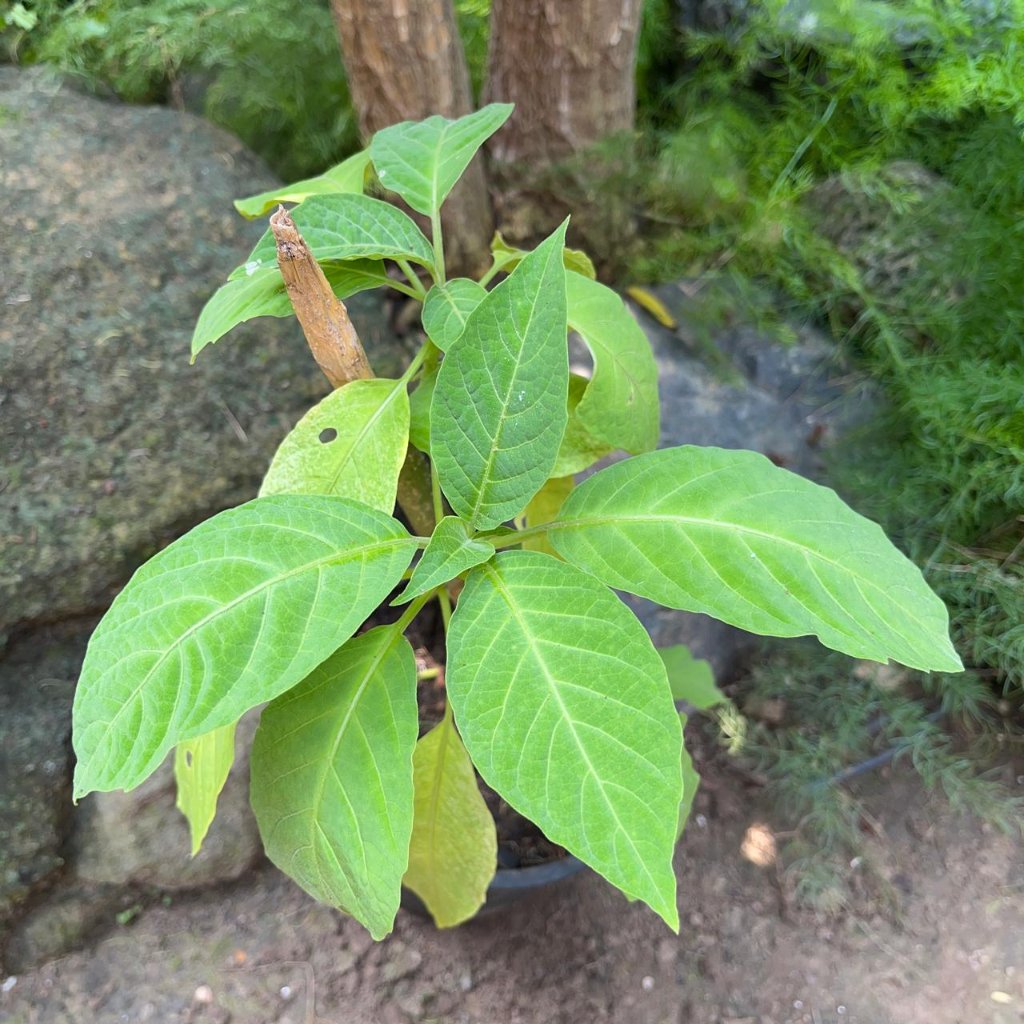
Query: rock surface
{"x": 118, "y": 227}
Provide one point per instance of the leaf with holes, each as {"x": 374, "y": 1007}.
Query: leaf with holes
{"x": 579, "y": 449}
{"x": 422, "y": 160}
{"x": 347, "y": 227}
{"x": 263, "y": 293}
{"x": 454, "y": 849}
{"x": 729, "y": 534}
{"x": 332, "y": 777}
{"x": 563, "y": 704}
{"x": 232, "y": 614}
{"x": 201, "y": 768}
{"x": 351, "y": 444}
{"x": 348, "y": 176}
{"x": 452, "y": 550}
{"x": 499, "y": 407}
{"x": 447, "y": 307}
{"x": 620, "y": 405}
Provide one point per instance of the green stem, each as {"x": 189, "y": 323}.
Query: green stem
{"x": 495, "y": 268}
{"x": 446, "y": 606}
{"x": 410, "y": 613}
{"x": 510, "y": 540}
{"x": 413, "y": 367}
{"x": 418, "y": 291}
{"x": 435, "y": 490}
{"x": 435, "y": 231}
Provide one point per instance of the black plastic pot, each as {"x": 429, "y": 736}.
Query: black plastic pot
{"x": 510, "y": 885}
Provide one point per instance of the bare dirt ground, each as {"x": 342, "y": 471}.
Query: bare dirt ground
{"x": 951, "y": 952}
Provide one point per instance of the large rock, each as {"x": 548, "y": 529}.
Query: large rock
{"x": 118, "y": 225}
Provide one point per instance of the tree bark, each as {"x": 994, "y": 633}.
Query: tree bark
{"x": 404, "y": 61}
{"x": 569, "y": 67}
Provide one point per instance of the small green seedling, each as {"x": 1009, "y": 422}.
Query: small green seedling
{"x": 556, "y": 695}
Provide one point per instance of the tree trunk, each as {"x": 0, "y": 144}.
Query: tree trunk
{"x": 569, "y": 67}
{"x": 404, "y": 62}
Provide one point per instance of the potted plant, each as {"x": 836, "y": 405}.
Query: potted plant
{"x": 555, "y": 693}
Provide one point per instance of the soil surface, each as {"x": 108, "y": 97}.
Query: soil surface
{"x": 947, "y": 949}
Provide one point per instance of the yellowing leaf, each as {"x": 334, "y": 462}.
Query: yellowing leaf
{"x": 543, "y": 507}
{"x": 454, "y": 849}
{"x": 652, "y": 304}
{"x": 201, "y": 768}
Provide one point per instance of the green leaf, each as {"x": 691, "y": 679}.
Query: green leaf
{"x": 201, "y": 768}
{"x": 332, "y": 784}
{"x": 422, "y": 160}
{"x": 729, "y": 534}
{"x": 348, "y": 227}
{"x": 508, "y": 257}
{"x": 454, "y": 850}
{"x": 263, "y": 293}
{"x": 620, "y": 406}
{"x": 579, "y": 449}
{"x": 563, "y": 705}
{"x": 543, "y": 507}
{"x": 452, "y": 549}
{"x": 691, "y": 783}
{"x": 499, "y": 407}
{"x": 351, "y": 445}
{"x": 232, "y": 614}
{"x": 690, "y": 678}
{"x": 419, "y": 410}
{"x": 348, "y": 176}
{"x": 447, "y": 307}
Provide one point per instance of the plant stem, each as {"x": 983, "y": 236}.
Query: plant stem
{"x": 495, "y": 268}
{"x": 410, "y": 613}
{"x": 418, "y": 291}
{"x": 520, "y": 535}
{"x": 436, "y": 234}
{"x": 446, "y": 606}
{"x": 435, "y": 489}
{"x": 417, "y": 362}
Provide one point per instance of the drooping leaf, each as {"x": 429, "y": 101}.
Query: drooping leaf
{"x": 232, "y": 614}
{"x": 452, "y": 549}
{"x": 419, "y": 410}
{"x": 422, "y": 160}
{"x": 332, "y": 784}
{"x": 691, "y": 783}
{"x": 579, "y": 449}
{"x": 201, "y": 768}
{"x": 508, "y": 257}
{"x": 348, "y": 176}
{"x": 563, "y": 704}
{"x": 729, "y": 534}
{"x": 447, "y": 307}
{"x": 499, "y": 407}
{"x": 543, "y": 507}
{"x": 263, "y": 293}
{"x": 620, "y": 405}
{"x": 347, "y": 227}
{"x": 690, "y": 678}
{"x": 454, "y": 849}
{"x": 351, "y": 444}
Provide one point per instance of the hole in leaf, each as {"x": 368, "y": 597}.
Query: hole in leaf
{"x": 188, "y": 758}
{"x": 328, "y": 435}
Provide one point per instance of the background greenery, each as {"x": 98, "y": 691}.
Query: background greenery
{"x": 864, "y": 161}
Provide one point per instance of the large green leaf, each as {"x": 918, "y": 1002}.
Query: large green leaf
{"x": 447, "y": 307}
{"x": 232, "y": 614}
{"x": 454, "y": 849}
{"x": 351, "y": 444}
{"x": 563, "y": 704}
{"x": 332, "y": 784}
{"x": 263, "y": 293}
{"x": 348, "y": 176}
{"x": 729, "y": 534}
{"x": 348, "y": 227}
{"x": 201, "y": 768}
{"x": 452, "y": 549}
{"x": 499, "y": 407}
{"x": 422, "y": 160}
{"x": 579, "y": 448}
{"x": 620, "y": 405}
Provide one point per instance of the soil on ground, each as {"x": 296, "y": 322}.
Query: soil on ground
{"x": 946, "y": 945}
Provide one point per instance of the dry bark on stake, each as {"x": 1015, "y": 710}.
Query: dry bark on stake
{"x": 338, "y": 351}
{"x": 404, "y": 62}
